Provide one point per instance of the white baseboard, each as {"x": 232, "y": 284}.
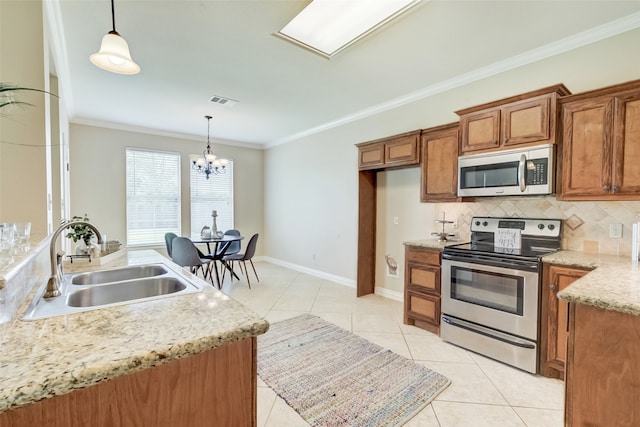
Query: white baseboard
{"x": 317, "y": 273}
{"x": 386, "y": 293}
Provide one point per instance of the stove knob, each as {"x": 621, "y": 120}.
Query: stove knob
{"x": 541, "y": 226}
{"x": 485, "y": 223}
{"x": 477, "y": 223}
{"x": 551, "y": 227}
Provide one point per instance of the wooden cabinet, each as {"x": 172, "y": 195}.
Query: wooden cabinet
{"x": 601, "y": 144}
{"x": 422, "y": 288}
{"x": 602, "y": 386}
{"x": 530, "y": 118}
{"x": 215, "y": 388}
{"x": 395, "y": 151}
{"x": 554, "y": 324}
{"x": 439, "y": 164}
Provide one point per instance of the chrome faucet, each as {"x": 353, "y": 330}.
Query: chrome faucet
{"x": 53, "y": 284}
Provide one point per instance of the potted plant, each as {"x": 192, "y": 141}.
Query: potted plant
{"x": 80, "y": 233}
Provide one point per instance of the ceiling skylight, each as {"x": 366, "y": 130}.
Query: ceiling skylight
{"x": 329, "y": 26}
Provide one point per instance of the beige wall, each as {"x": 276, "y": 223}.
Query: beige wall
{"x": 97, "y": 177}
{"x": 311, "y": 184}
{"x": 23, "y": 131}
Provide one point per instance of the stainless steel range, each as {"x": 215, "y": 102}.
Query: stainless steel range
{"x": 491, "y": 288}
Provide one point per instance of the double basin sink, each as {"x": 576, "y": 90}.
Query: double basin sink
{"x": 106, "y": 288}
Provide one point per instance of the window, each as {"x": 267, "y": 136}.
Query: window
{"x": 207, "y": 195}
{"x": 153, "y": 196}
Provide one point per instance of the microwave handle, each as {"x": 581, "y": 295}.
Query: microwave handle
{"x": 521, "y": 173}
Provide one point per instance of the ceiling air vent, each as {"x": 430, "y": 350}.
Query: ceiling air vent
{"x": 223, "y": 101}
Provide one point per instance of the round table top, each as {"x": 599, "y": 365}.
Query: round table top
{"x": 226, "y": 238}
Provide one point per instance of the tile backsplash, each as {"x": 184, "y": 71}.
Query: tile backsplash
{"x": 585, "y": 224}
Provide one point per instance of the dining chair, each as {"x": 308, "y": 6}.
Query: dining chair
{"x": 233, "y": 247}
{"x": 185, "y": 254}
{"x": 248, "y": 254}
{"x": 168, "y": 240}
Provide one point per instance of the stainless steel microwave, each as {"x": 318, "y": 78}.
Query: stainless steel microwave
{"x": 519, "y": 171}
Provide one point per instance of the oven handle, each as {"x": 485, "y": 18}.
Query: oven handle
{"x": 521, "y": 173}
{"x": 481, "y": 259}
{"x": 509, "y": 339}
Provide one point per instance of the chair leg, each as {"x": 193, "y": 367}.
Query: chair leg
{"x": 246, "y": 273}
{"x": 254, "y": 270}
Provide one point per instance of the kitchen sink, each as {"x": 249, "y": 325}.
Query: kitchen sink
{"x": 106, "y": 288}
{"x": 118, "y": 274}
{"x": 124, "y": 291}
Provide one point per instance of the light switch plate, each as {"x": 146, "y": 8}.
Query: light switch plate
{"x": 615, "y": 231}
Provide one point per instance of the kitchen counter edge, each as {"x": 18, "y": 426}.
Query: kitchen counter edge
{"x": 613, "y": 283}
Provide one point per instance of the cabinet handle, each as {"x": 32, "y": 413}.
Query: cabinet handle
{"x": 553, "y": 287}
{"x": 615, "y": 188}
{"x": 606, "y": 187}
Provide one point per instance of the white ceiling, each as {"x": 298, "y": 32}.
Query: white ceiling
{"x": 191, "y": 50}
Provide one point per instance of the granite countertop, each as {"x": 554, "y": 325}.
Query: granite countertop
{"x": 613, "y": 284}
{"x": 54, "y": 356}
{"x": 431, "y": 243}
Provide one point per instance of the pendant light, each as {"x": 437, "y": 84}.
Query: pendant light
{"x": 114, "y": 53}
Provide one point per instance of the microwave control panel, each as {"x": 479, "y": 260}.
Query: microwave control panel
{"x": 537, "y": 171}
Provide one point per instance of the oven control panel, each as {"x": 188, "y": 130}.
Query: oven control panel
{"x": 541, "y": 227}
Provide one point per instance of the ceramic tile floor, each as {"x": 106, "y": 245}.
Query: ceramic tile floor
{"x": 482, "y": 392}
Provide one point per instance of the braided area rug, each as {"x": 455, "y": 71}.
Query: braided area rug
{"x": 332, "y": 377}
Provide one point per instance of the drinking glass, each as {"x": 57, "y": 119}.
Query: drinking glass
{"x": 23, "y": 231}
{"x": 7, "y": 237}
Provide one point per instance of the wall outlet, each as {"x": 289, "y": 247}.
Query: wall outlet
{"x": 615, "y": 231}
{"x": 395, "y": 220}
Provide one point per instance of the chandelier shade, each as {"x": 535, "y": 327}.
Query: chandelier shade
{"x": 209, "y": 164}
{"x": 114, "y": 55}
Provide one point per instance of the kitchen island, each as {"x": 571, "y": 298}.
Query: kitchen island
{"x": 602, "y": 383}
{"x": 180, "y": 360}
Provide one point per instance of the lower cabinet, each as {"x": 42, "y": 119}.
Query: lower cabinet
{"x": 422, "y": 288}
{"x": 217, "y": 387}
{"x": 555, "y": 318}
{"x": 602, "y": 386}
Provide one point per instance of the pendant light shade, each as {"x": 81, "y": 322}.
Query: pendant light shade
{"x": 114, "y": 53}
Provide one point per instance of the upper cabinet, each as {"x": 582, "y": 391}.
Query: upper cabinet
{"x": 394, "y": 151}
{"x": 601, "y": 138}
{"x": 439, "y": 165}
{"x": 530, "y": 118}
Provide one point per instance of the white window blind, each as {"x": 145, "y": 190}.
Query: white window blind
{"x": 207, "y": 195}
{"x": 153, "y": 196}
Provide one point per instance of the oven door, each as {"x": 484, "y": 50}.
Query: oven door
{"x": 504, "y": 298}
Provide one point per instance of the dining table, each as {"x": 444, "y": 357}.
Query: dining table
{"x": 220, "y": 245}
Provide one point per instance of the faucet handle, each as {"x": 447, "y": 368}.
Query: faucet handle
{"x": 59, "y": 264}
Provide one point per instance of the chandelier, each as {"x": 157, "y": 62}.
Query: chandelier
{"x": 209, "y": 164}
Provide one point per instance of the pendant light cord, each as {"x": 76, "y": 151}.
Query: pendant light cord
{"x": 113, "y": 16}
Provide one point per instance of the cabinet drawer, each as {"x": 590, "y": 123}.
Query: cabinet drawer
{"x": 424, "y": 307}
{"x": 424, "y": 256}
{"x": 423, "y": 278}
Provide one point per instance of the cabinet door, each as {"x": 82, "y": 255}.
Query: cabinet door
{"x": 626, "y": 147}
{"x": 526, "y": 121}
{"x": 402, "y": 151}
{"x": 423, "y": 307}
{"x": 556, "y": 317}
{"x": 480, "y": 131}
{"x": 587, "y": 141}
{"x": 371, "y": 156}
{"x": 439, "y": 166}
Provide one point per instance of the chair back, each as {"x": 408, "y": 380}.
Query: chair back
{"x": 185, "y": 253}
{"x": 233, "y": 247}
{"x": 251, "y": 247}
{"x": 168, "y": 240}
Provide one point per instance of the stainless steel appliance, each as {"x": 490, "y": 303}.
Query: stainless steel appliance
{"x": 525, "y": 171}
{"x": 491, "y": 288}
